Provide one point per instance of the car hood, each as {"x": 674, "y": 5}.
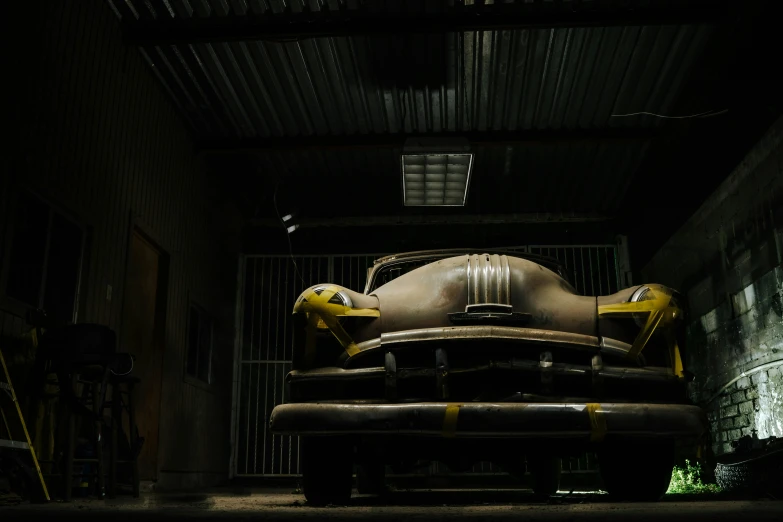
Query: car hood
{"x": 427, "y": 296}
{"x": 438, "y": 294}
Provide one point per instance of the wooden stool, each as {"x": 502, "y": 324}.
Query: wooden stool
{"x": 79, "y": 355}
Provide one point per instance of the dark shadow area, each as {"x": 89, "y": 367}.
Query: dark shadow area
{"x": 460, "y": 505}
{"x": 407, "y": 62}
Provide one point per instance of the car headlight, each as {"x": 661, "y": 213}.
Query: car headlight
{"x": 340, "y": 298}
{"x": 650, "y": 293}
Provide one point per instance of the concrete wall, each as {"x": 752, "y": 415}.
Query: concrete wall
{"x": 728, "y": 260}
{"x": 95, "y": 134}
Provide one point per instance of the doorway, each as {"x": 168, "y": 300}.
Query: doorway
{"x": 143, "y": 335}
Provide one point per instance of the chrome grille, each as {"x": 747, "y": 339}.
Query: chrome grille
{"x": 489, "y": 279}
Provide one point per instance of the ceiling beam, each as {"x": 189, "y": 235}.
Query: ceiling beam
{"x": 484, "y": 138}
{"x": 287, "y": 26}
{"x": 458, "y": 219}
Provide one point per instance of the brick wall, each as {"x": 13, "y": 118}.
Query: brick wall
{"x": 727, "y": 259}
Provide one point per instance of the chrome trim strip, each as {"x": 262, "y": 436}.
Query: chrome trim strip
{"x": 505, "y": 280}
{"x": 489, "y": 279}
{"x": 617, "y": 348}
{"x": 370, "y": 344}
{"x": 606, "y": 345}
{"x": 333, "y": 373}
{"x": 491, "y": 332}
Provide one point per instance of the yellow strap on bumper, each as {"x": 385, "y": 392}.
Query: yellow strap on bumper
{"x": 597, "y": 422}
{"x": 318, "y": 308}
{"x": 450, "y": 420}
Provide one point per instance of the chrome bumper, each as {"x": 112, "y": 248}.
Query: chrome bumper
{"x": 484, "y": 419}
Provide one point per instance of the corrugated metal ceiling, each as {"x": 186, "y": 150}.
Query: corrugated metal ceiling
{"x": 561, "y": 78}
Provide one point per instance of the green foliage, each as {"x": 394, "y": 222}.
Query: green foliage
{"x": 687, "y": 480}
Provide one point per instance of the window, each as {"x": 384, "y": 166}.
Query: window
{"x": 199, "y": 363}
{"x": 45, "y": 259}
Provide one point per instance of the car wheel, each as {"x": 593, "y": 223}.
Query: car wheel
{"x": 327, "y": 469}
{"x": 639, "y": 472}
{"x": 371, "y": 478}
{"x": 758, "y": 472}
{"x": 545, "y": 473}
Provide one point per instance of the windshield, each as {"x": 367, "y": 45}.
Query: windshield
{"x": 394, "y": 270}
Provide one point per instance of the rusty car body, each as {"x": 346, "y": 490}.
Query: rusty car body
{"x": 469, "y": 355}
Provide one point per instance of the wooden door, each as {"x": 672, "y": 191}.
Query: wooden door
{"x": 142, "y": 337}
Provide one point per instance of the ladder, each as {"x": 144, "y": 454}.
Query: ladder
{"x": 8, "y": 388}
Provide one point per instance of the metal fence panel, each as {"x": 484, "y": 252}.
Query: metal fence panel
{"x": 265, "y": 344}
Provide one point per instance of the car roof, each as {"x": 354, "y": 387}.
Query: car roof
{"x": 464, "y": 251}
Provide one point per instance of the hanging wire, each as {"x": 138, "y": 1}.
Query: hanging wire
{"x": 287, "y": 235}
{"x": 706, "y": 114}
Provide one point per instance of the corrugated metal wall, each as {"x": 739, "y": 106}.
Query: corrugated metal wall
{"x": 98, "y": 135}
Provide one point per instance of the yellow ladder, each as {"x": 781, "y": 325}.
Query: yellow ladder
{"x": 8, "y": 388}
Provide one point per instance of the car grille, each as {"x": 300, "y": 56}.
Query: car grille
{"x": 463, "y": 372}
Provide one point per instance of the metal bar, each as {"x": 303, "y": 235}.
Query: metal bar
{"x": 458, "y": 219}
{"x": 353, "y": 23}
{"x": 250, "y": 372}
{"x": 266, "y": 377}
{"x": 239, "y": 314}
{"x": 397, "y": 140}
{"x": 390, "y": 367}
{"x": 585, "y": 245}
{"x": 268, "y": 325}
{"x": 277, "y": 345}
{"x": 13, "y": 444}
{"x": 575, "y": 266}
{"x": 289, "y": 350}
{"x": 265, "y": 361}
{"x": 301, "y": 259}
{"x": 593, "y": 272}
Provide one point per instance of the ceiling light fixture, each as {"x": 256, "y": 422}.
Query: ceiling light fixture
{"x": 436, "y": 172}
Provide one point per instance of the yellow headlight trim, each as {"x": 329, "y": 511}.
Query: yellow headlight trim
{"x": 321, "y": 312}
{"x": 661, "y": 314}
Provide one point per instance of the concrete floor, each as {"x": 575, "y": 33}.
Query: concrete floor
{"x": 412, "y": 505}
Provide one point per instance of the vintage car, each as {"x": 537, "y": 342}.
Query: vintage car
{"x": 470, "y": 355}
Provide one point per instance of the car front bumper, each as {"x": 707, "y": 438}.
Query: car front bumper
{"x": 593, "y": 421}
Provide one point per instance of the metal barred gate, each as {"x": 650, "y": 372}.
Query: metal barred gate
{"x": 268, "y": 286}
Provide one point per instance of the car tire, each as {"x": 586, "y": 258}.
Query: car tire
{"x": 545, "y": 473}
{"x": 370, "y": 478}
{"x": 637, "y": 472}
{"x": 757, "y": 472}
{"x": 327, "y": 469}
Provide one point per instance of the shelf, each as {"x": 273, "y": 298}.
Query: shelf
{"x": 14, "y": 444}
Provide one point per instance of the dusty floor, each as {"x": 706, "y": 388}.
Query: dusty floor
{"x": 416, "y": 505}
